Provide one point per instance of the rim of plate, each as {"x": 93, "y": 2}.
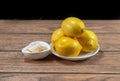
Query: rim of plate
{"x": 80, "y": 57}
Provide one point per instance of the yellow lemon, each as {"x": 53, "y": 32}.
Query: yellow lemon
{"x": 56, "y": 35}
{"x": 72, "y": 26}
{"x": 67, "y": 46}
{"x": 88, "y": 40}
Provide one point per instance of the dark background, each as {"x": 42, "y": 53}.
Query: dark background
{"x": 60, "y": 10}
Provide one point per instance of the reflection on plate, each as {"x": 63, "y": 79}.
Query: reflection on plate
{"x": 80, "y": 57}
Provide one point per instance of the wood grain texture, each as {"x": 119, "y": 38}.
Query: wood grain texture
{"x": 15, "y": 34}
{"x": 15, "y": 42}
{"x": 59, "y": 77}
{"x": 48, "y": 26}
{"x": 103, "y": 62}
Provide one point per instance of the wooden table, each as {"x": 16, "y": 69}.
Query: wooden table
{"x": 15, "y": 34}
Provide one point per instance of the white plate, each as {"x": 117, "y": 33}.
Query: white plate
{"x": 80, "y": 57}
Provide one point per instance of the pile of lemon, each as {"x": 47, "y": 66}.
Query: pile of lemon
{"x": 72, "y": 38}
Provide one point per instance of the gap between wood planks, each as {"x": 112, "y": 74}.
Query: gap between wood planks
{"x": 57, "y": 73}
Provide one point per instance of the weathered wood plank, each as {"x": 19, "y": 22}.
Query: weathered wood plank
{"x": 15, "y": 34}
{"x": 103, "y": 58}
{"x": 103, "y": 62}
{"x": 32, "y": 26}
{"x": 59, "y": 77}
{"x": 48, "y": 26}
{"x": 62, "y": 69}
{"x": 108, "y": 42}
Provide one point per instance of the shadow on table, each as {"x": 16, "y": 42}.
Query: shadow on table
{"x": 51, "y": 58}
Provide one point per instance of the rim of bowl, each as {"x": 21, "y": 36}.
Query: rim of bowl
{"x": 47, "y": 46}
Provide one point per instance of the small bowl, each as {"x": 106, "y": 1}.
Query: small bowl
{"x": 37, "y": 55}
{"x": 80, "y": 57}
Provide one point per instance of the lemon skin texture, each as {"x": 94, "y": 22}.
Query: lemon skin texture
{"x": 69, "y": 47}
{"x": 56, "y": 35}
{"x": 89, "y": 41}
{"x": 72, "y": 26}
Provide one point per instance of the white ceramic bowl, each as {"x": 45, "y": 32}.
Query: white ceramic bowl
{"x": 80, "y": 57}
{"x": 37, "y": 55}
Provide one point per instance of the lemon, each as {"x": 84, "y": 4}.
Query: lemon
{"x": 72, "y": 26}
{"x": 88, "y": 40}
{"x": 67, "y": 46}
{"x": 56, "y": 35}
